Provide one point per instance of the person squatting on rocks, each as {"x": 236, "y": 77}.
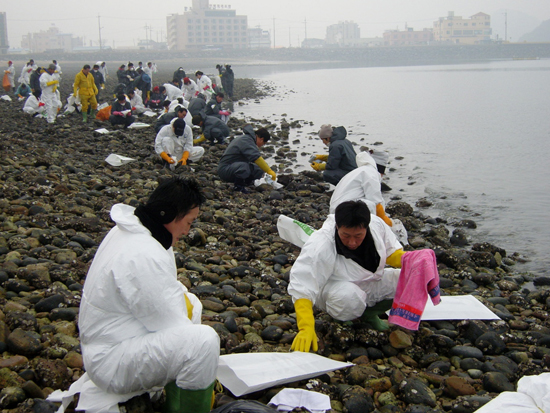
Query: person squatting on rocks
{"x": 341, "y": 270}
{"x": 212, "y": 128}
{"x": 33, "y": 106}
{"x": 121, "y": 112}
{"x": 49, "y": 81}
{"x": 139, "y": 326}
{"x": 189, "y": 88}
{"x": 214, "y": 108}
{"x": 242, "y": 162}
{"x": 136, "y": 102}
{"x": 23, "y": 91}
{"x": 171, "y": 91}
{"x": 166, "y": 118}
{"x": 204, "y": 84}
{"x": 174, "y": 144}
{"x": 341, "y": 155}
{"x": 197, "y": 104}
{"x": 84, "y": 87}
{"x": 363, "y": 183}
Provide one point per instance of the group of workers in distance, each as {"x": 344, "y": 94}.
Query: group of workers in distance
{"x": 134, "y": 308}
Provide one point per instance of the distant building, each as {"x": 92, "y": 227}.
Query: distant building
{"x": 50, "y": 40}
{"x": 258, "y": 38}
{"x": 313, "y": 43}
{"x": 343, "y": 34}
{"x": 207, "y": 26}
{"x": 455, "y": 29}
{"x": 4, "y": 44}
{"x": 407, "y": 37}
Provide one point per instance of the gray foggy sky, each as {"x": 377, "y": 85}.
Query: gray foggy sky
{"x": 124, "y": 21}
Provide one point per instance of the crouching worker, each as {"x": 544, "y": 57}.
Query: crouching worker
{"x": 33, "y": 105}
{"x": 139, "y": 326}
{"x": 341, "y": 271}
{"x": 174, "y": 144}
{"x": 242, "y": 162}
{"x": 212, "y": 128}
{"x": 121, "y": 112}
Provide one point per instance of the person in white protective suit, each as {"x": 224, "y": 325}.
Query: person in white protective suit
{"x": 362, "y": 183}
{"x": 103, "y": 70}
{"x": 49, "y": 81}
{"x": 174, "y": 144}
{"x": 341, "y": 270}
{"x": 33, "y": 106}
{"x": 139, "y": 326}
{"x": 150, "y": 69}
{"x": 26, "y": 72}
{"x": 189, "y": 88}
{"x": 204, "y": 84}
{"x": 171, "y": 91}
{"x": 10, "y": 71}
{"x": 137, "y": 102}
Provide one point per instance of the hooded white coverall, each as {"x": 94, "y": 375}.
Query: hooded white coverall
{"x": 167, "y": 141}
{"x": 11, "y": 74}
{"x": 149, "y": 71}
{"x": 26, "y": 74}
{"x": 190, "y": 90}
{"x": 32, "y": 105}
{"x": 49, "y": 95}
{"x": 137, "y": 102}
{"x": 135, "y": 331}
{"x": 172, "y": 92}
{"x": 363, "y": 183}
{"x": 204, "y": 84}
{"x": 338, "y": 285}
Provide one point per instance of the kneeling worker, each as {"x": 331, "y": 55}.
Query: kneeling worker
{"x": 341, "y": 271}
{"x": 242, "y": 162}
{"x": 139, "y": 326}
{"x": 174, "y": 144}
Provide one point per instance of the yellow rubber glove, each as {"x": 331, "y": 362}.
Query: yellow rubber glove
{"x": 199, "y": 140}
{"x": 306, "y": 337}
{"x": 380, "y": 213}
{"x": 318, "y": 166}
{"x": 189, "y": 307}
{"x": 184, "y": 157}
{"x": 394, "y": 260}
{"x": 323, "y": 158}
{"x": 52, "y": 82}
{"x": 265, "y": 167}
{"x": 167, "y": 157}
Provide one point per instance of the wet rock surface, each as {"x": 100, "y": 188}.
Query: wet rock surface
{"x": 56, "y": 192}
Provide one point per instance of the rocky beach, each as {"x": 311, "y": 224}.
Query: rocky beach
{"x": 56, "y": 191}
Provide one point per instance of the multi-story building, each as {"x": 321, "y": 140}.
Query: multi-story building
{"x": 50, "y": 39}
{"x": 258, "y": 38}
{"x": 407, "y": 37}
{"x": 455, "y": 29}
{"x": 343, "y": 34}
{"x": 207, "y": 26}
{"x": 4, "y": 44}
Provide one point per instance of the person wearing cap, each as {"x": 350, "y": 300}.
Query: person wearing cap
{"x": 121, "y": 112}
{"x": 142, "y": 82}
{"x": 362, "y": 183}
{"x": 157, "y": 98}
{"x": 179, "y": 75}
{"x": 212, "y": 128}
{"x": 341, "y": 155}
{"x": 214, "y": 108}
{"x": 84, "y": 87}
{"x": 10, "y": 72}
{"x": 204, "y": 84}
{"x": 342, "y": 270}
{"x": 228, "y": 80}
{"x": 140, "y": 328}
{"x": 49, "y": 82}
{"x": 33, "y": 106}
{"x": 242, "y": 162}
{"x": 174, "y": 144}
{"x": 189, "y": 88}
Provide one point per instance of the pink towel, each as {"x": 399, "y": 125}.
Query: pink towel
{"x": 418, "y": 279}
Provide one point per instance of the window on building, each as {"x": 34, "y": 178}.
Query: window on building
{"x": 243, "y": 39}
{"x": 465, "y": 24}
{"x": 207, "y": 39}
{"x": 190, "y": 40}
{"x": 243, "y": 27}
{"x": 473, "y": 24}
{"x": 221, "y": 27}
{"x": 229, "y": 40}
{"x": 189, "y": 34}
{"x": 205, "y": 20}
{"x": 487, "y": 23}
{"x": 448, "y": 32}
{"x": 189, "y": 21}
{"x": 215, "y": 40}
{"x": 468, "y": 32}
{"x": 198, "y": 21}
{"x": 457, "y": 32}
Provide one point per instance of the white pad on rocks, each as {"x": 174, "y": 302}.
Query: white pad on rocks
{"x": 458, "y": 307}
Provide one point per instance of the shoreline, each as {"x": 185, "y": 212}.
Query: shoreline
{"x": 56, "y": 195}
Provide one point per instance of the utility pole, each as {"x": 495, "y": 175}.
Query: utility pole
{"x": 274, "y": 32}
{"x": 146, "y": 34}
{"x": 506, "y": 26}
{"x": 99, "y": 25}
{"x": 305, "y": 31}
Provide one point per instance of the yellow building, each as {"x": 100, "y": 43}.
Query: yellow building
{"x": 455, "y": 29}
{"x": 207, "y": 26}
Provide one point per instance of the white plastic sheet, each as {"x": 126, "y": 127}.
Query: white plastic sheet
{"x": 149, "y": 113}
{"x": 293, "y": 231}
{"x": 288, "y": 399}
{"x": 138, "y": 125}
{"x": 250, "y": 372}
{"x": 6, "y": 98}
{"x": 118, "y": 160}
{"x": 102, "y": 131}
{"x": 458, "y": 307}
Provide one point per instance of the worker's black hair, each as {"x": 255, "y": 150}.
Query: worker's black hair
{"x": 220, "y": 94}
{"x": 180, "y": 109}
{"x": 196, "y": 120}
{"x": 173, "y": 199}
{"x": 86, "y": 67}
{"x": 263, "y": 133}
{"x": 121, "y": 96}
{"x": 166, "y": 103}
{"x": 352, "y": 214}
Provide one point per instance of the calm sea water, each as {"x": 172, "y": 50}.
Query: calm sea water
{"x": 475, "y": 138}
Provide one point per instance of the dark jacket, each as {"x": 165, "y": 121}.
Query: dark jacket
{"x": 213, "y": 128}
{"x": 98, "y": 78}
{"x": 117, "y": 107}
{"x": 228, "y": 79}
{"x": 35, "y": 80}
{"x": 213, "y": 108}
{"x": 164, "y": 120}
{"x": 241, "y": 149}
{"x": 122, "y": 76}
{"x": 196, "y": 105}
{"x": 341, "y": 156}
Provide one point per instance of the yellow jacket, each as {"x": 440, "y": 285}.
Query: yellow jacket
{"x": 85, "y": 85}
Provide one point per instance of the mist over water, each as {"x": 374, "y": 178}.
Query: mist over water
{"x": 475, "y": 138}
